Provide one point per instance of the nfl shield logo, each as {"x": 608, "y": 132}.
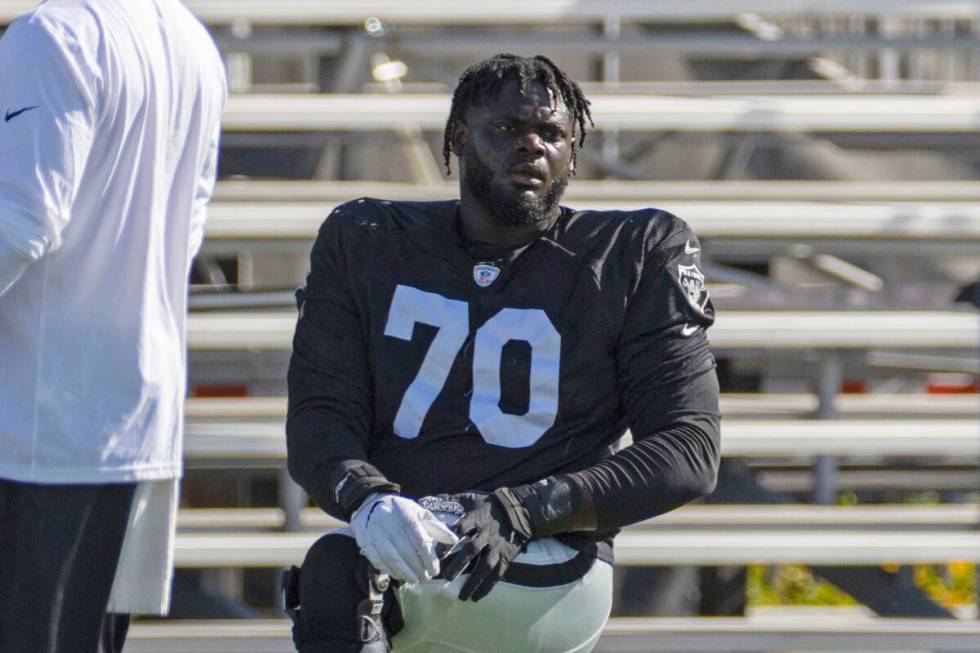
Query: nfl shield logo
{"x": 484, "y": 274}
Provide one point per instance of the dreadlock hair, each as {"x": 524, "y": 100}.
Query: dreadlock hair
{"x": 481, "y": 82}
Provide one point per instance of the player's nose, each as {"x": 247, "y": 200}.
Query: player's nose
{"x": 530, "y": 144}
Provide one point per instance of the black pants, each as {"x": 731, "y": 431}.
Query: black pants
{"x": 59, "y": 547}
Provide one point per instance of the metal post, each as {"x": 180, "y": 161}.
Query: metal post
{"x": 611, "y": 76}
{"x": 889, "y": 60}
{"x": 830, "y": 377}
{"x": 347, "y": 78}
{"x": 292, "y": 498}
{"x": 948, "y": 30}
{"x": 239, "y": 64}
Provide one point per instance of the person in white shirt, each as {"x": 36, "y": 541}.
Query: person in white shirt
{"x": 110, "y": 116}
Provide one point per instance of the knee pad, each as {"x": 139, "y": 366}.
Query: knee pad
{"x": 330, "y": 604}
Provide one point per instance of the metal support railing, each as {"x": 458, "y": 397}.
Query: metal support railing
{"x": 830, "y": 375}
{"x": 292, "y": 499}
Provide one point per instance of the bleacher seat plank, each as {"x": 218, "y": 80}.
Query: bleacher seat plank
{"x": 659, "y": 547}
{"x": 948, "y": 516}
{"x": 876, "y": 480}
{"x": 241, "y": 330}
{"x": 942, "y": 516}
{"x": 738, "y": 635}
{"x": 621, "y": 635}
{"x": 774, "y": 113}
{"x": 849, "y": 547}
{"x": 955, "y": 438}
{"x": 234, "y": 407}
{"x": 238, "y": 519}
{"x": 588, "y": 190}
{"x": 949, "y": 405}
{"x": 844, "y": 329}
{"x": 733, "y": 330}
{"x": 300, "y": 220}
{"x": 445, "y": 12}
{"x": 740, "y": 438}
{"x": 241, "y": 440}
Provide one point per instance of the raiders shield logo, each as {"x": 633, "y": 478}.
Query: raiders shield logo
{"x": 692, "y": 281}
{"x": 484, "y": 274}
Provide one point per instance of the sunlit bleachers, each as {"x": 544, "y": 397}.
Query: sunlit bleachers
{"x": 622, "y": 635}
{"x": 429, "y": 12}
{"x": 766, "y": 97}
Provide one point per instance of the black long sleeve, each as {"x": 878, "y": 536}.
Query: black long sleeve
{"x": 670, "y": 394}
{"x": 330, "y": 387}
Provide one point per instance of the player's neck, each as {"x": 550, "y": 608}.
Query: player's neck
{"x": 478, "y": 226}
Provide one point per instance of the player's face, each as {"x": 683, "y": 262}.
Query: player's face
{"x": 515, "y": 154}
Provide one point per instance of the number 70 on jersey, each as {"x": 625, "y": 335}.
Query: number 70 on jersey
{"x": 410, "y": 306}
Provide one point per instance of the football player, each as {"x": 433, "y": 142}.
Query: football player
{"x": 461, "y": 375}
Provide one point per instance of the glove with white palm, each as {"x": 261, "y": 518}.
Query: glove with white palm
{"x": 399, "y": 537}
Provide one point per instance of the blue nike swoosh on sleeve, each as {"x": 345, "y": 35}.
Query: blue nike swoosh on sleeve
{"x": 10, "y": 115}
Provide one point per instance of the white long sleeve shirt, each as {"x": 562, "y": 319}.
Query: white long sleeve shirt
{"x": 108, "y": 151}
{"x": 13, "y": 262}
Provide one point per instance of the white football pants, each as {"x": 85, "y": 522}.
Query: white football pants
{"x": 511, "y": 618}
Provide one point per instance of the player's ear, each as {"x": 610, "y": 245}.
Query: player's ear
{"x": 460, "y": 134}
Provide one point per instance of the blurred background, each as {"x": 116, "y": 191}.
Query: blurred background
{"x": 827, "y": 153}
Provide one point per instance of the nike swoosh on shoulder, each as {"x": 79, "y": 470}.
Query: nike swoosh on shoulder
{"x": 690, "y": 249}
{"x": 10, "y": 115}
{"x": 689, "y": 330}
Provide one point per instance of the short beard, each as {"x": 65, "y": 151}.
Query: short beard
{"x": 509, "y": 210}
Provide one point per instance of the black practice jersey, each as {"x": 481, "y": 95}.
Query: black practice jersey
{"x": 452, "y": 366}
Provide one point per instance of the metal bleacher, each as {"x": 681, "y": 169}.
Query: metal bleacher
{"x": 826, "y": 154}
{"x": 887, "y": 77}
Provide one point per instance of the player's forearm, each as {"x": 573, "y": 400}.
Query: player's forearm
{"x": 656, "y": 474}
{"x": 557, "y": 504}
{"x": 328, "y": 420}
{"x": 673, "y": 460}
{"x": 653, "y": 476}
{"x": 330, "y": 464}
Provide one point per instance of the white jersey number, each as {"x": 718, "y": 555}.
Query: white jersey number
{"x": 451, "y": 317}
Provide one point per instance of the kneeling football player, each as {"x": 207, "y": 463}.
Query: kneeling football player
{"x": 462, "y": 374}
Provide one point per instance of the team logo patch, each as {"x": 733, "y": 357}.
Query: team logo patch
{"x": 692, "y": 280}
{"x": 437, "y": 504}
{"x": 484, "y": 274}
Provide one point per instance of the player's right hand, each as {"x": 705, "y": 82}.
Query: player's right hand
{"x": 399, "y": 537}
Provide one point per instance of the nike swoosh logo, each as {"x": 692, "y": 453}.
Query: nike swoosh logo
{"x": 690, "y": 249}
{"x": 689, "y": 330}
{"x": 10, "y": 115}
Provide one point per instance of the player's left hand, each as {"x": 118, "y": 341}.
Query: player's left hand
{"x": 489, "y": 543}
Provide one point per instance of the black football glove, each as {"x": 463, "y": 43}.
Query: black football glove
{"x": 496, "y": 527}
{"x": 489, "y": 543}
